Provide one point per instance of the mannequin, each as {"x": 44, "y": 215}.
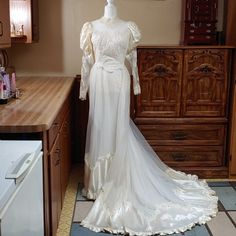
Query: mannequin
{"x": 110, "y": 10}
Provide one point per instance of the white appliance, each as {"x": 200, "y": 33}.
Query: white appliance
{"x": 21, "y": 188}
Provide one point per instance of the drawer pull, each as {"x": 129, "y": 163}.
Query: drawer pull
{"x": 179, "y": 136}
{"x": 179, "y": 157}
{"x": 1, "y": 29}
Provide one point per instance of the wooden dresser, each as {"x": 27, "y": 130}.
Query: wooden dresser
{"x": 45, "y": 112}
{"x": 183, "y": 110}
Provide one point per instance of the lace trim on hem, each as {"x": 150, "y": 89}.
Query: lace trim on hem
{"x": 202, "y": 220}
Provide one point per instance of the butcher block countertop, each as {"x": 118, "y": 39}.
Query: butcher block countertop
{"x": 38, "y": 106}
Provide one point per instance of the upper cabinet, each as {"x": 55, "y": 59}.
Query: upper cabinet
{"x": 24, "y": 21}
{"x": 5, "y": 40}
{"x": 199, "y": 22}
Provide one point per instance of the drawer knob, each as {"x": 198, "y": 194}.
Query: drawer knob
{"x": 179, "y": 157}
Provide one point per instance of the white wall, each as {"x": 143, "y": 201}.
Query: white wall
{"x": 58, "y": 53}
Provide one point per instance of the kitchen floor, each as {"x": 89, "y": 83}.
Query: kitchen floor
{"x": 76, "y": 207}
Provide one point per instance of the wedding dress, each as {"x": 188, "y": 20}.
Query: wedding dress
{"x": 135, "y": 192}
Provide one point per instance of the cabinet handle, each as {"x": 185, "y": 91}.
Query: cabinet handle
{"x": 179, "y": 136}
{"x": 179, "y": 157}
{"x": 57, "y": 162}
{"x": 1, "y": 29}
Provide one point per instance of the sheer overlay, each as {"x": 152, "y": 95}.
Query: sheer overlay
{"x": 135, "y": 191}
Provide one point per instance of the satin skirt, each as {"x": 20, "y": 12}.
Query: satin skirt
{"x": 135, "y": 192}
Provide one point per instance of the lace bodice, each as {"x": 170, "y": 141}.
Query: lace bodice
{"x": 108, "y": 46}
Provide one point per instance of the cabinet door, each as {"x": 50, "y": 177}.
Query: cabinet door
{"x": 5, "y": 40}
{"x": 65, "y": 144}
{"x": 55, "y": 182}
{"x": 160, "y": 79}
{"x": 205, "y": 82}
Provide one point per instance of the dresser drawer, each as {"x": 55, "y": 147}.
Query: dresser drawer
{"x": 184, "y": 134}
{"x": 191, "y": 155}
{"x": 201, "y": 39}
{"x": 200, "y": 28}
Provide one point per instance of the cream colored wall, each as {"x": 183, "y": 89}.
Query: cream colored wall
{"x": 58, "y": 53}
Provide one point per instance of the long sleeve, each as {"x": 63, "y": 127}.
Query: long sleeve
{"x": 135, "y": 37}
{"x": 87, "y": 59}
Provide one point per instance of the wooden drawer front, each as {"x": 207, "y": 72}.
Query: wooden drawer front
{"x": 184, "y": 134}
{"x": 200, "y": 28}
{"x": 201, "y": 38}
{"x": 53, "y": 131}
{"x": 56, "y": 126}
{"x": 191, "y": 155}
{"x": 205, "y": 83}
{"x": 160, "y": 74}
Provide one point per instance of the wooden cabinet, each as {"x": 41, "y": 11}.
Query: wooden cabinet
{"x": 59, "y": 143}
{"x": 24, "y": 21}
{"x": 231, "y": 40}
{"x": 5, "y": 40}
{"x": 66, "y": 152}
{"x": 199, "y": 21}
{"x": 55, "y": 183}
{"x": 183, "y": 108}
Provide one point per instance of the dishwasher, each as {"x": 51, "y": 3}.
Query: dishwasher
{"x": 21, "y": 188}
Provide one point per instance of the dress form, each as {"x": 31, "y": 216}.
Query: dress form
{"x": 110, "y": 10}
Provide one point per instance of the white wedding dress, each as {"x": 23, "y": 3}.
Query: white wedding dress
{"x": 135, "y": 192}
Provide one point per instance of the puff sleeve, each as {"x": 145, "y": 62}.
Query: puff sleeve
{"x": 135, "y": 37}
{"x": 87, "y": 59}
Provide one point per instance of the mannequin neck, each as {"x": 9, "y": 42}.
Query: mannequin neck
{"x": 110, "y": 11}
